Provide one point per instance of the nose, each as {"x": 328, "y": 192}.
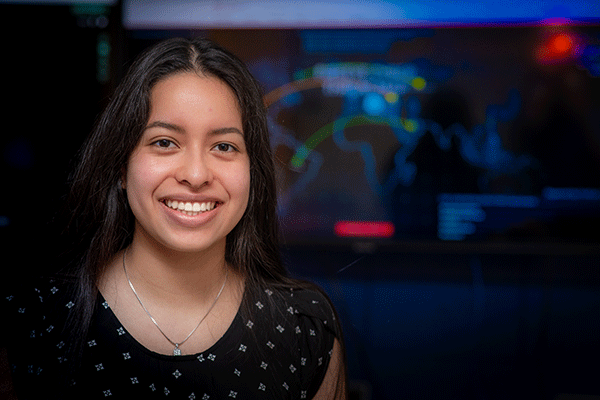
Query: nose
{"x": 194, "y": 169}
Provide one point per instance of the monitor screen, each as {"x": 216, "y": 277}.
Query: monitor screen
{"x": 448, "y": 134}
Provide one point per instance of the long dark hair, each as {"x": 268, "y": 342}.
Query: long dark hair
{"x": 100, "y": 214}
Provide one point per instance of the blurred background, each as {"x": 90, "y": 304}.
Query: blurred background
{"x": 438, "y": 162}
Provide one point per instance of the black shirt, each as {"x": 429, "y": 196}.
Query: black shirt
{"x": 281, "y": 351}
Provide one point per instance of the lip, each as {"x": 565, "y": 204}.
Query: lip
{"x": 194, "y": 218}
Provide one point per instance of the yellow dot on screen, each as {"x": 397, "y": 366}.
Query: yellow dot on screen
{"x": 410, "y": 125}
{"x": 391, "y": 97}
{"x": 418, "y": 83}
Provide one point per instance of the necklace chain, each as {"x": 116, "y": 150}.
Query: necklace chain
{"x": 176, "y": 350}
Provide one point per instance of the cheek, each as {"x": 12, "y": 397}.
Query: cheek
{"x": 141, "y": 176}
{"x": 242, "y": 184}
{"x": 239, "y": 185}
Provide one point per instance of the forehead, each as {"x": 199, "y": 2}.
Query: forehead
{"x": 192, "y": 89}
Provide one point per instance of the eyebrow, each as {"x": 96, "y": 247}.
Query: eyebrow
{"x": 179, "y": 129}
{"x": 165, "y": 125}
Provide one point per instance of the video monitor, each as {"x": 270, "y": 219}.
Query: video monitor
{"x": 444, "y": 134}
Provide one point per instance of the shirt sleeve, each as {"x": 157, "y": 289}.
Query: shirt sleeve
{"x": 317, "y": 329}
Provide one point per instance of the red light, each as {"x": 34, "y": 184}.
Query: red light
{"x": 561, "y": 43}
{"x": 558, "y": 48}
{"x": 367, "y": 229}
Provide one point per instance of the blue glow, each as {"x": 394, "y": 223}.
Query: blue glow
{"x": 351, "y": 42}
{"x": 590, "y": 59}
{"x": 374, "y": 104}
{"x": 457, "y": 220}
{"x": 152, "y": 14}
{"x": 367, "y": 84}
{"x": 292, "y": 99}
{"x": 491, "y": 200}
{"x": 551, "y": 193}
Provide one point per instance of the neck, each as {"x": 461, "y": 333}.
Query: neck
{"x": 176, "y": 277}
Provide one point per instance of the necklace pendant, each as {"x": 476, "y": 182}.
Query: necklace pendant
{"x": 176, "y": 351}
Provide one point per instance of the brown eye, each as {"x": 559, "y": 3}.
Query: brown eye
{"x": 225, "y": 147}
{"x": 163, "y": 143}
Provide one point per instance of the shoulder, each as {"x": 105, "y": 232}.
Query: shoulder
{"x": 299, "y": 318}
{"x": 34, "y": 292}
{"x": 299, "y": 327}
{"x": 28, "y": 305}
{"x": 314, "y": 304}
{"x": 303, "y": 303}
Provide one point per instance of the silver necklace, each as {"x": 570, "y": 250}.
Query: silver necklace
{"x": 176, "y": 350}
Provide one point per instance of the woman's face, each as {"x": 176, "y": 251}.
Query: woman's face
{"x": 188, "y": 179}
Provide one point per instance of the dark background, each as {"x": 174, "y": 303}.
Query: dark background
{"x": 422, "y": 319}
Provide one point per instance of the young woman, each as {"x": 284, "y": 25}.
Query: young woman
{"x": 180, "y": 292}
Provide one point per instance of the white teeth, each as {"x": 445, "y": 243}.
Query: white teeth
{"x": 190, "y": 208}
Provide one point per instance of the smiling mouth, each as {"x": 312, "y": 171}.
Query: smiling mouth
{"x": 190, "y": 208}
